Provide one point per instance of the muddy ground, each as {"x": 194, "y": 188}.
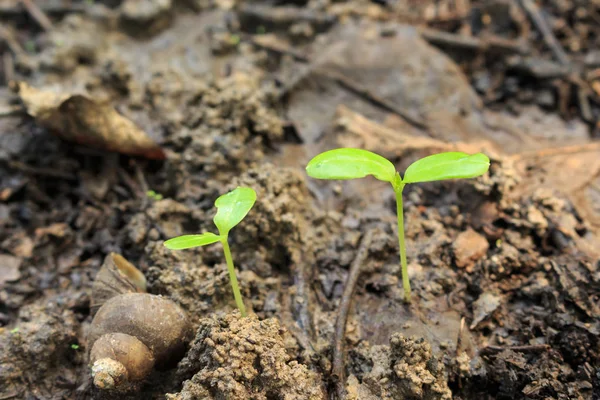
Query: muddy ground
{"x": 504, "y": 268}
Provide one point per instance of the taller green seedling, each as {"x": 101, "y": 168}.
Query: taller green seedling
{"x": 231, "y": 210}
{"x": 356, "y": 163}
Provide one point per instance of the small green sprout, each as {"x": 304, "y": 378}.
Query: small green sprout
{"x": 231, "y": 210}
{"x": 30, "y": 46}
{"x": 75, "y": 346}
{"x": 14, "y": 331}
{"x": 154, "y": 195}
{"x": 235, "y": 39}
{"x": 356, "y": 163}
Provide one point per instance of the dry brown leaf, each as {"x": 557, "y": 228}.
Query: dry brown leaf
{"x": 9, "y": 269}
{"x": 361, "y": 132}
{"x": 573, "y": 171}
{"x": 79, "y": 119}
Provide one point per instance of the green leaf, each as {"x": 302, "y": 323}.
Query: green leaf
{"x": 452, "y": 165}
{"x": 190, "y": 241}
{"x": 350, "y": 164}
{"x": 232, "y": 207}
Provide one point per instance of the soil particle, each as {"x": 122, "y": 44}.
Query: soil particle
{"x": 168, "y": 216}
{"x": 484, "y": 306}
{"x": 512, "y": 375}
{"x": 407, "y": 369}
{"x": 144, "y": 18}
{"x": 183, "y": 277}
{"x": 229, "y": 124}
{"x": 277, "y": 226}
{"x": 42, "y": 336}
{"x": 244, "y": 358}
{"x": 469, "y": 247}
{"x": 9, "y": 268}
{"x": 76, "y": 41}
{"x": 577, "y": 346}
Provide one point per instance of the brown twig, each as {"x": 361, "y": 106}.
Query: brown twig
{"x": 8, "y": 36}
{"x": 53, "y": 8}
{"x": 542, "y": 26}
{"x": 523, "y": 348}
{"x": 557, "y": 151}
{"x": 373, "y": 98}
{"x": 276, "y": 17}
{"x": 264, "y": 42}
{"x": 11, "y": 111}
{"x": 143, "y": 185}
{"x": 491, "y": 43}
{"x": 37, "y": 14}
{"x": 299, "y": 304}
{"x": 338, "y": 369}
{"x": 9, "y": 67}
{"x": 10, "y": 395}
{"x": 40, "y": 171}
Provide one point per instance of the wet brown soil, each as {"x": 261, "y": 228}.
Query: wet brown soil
{"x": 505, "y": 268}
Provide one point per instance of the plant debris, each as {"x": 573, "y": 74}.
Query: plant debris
{"x": 79, "y": 119}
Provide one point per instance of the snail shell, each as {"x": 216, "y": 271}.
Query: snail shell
{"x": 157, "y": 322}
{"x": 132, "y": 331}
{"x": 118, "y": 360}
{"x": 117, "y": 276}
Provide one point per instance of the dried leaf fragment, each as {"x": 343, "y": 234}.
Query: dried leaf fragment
{"x": 78, "y": 119}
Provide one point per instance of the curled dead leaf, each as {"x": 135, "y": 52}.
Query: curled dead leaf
{"x": 78, "y": 119}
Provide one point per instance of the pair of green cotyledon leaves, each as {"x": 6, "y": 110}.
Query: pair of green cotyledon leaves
{"x": 342, "y": 164}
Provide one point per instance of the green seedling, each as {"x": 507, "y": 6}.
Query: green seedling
{"x": 356, "y": 163}
{"x": 154, "y": 195}
{"x": 235, "y": 39}
{"x": 231, "y": 210}
{"x": 75, "y": 346}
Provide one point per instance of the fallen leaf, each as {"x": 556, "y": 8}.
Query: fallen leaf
{"x": 57, "y": 230}
{"x": 78, "y": 119}
{"x": 9, "y": 268}
{"x": 356, "y": 130}
{"x": 483, "y": 307}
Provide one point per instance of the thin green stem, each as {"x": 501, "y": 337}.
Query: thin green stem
{"x": 401, "y": 244}
{"x": 233, "y": 278}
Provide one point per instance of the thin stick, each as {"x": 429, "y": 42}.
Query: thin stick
{"x": 540, "y": 23}
{"x": 233, "y": 278}
{"x": 275, "y": 48}
{"x": 442, "y": 38}
{"x": 373, "y": 98}
{"x": 11, "y": 111}
{"x": 556, "y": 151}
{"x": 28, "y": 169}
{"x": 8, "y": 36}
{"x": 9, "y": 67}
{"x": 300, "y": 309}
{"x": 37, "y": 14}
{"x": 338, "y": 371}
{"x": 523, "y": 348}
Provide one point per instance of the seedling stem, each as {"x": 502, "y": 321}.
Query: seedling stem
{"x": 234, "y": 282}
{"x": 398, "y": 189}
